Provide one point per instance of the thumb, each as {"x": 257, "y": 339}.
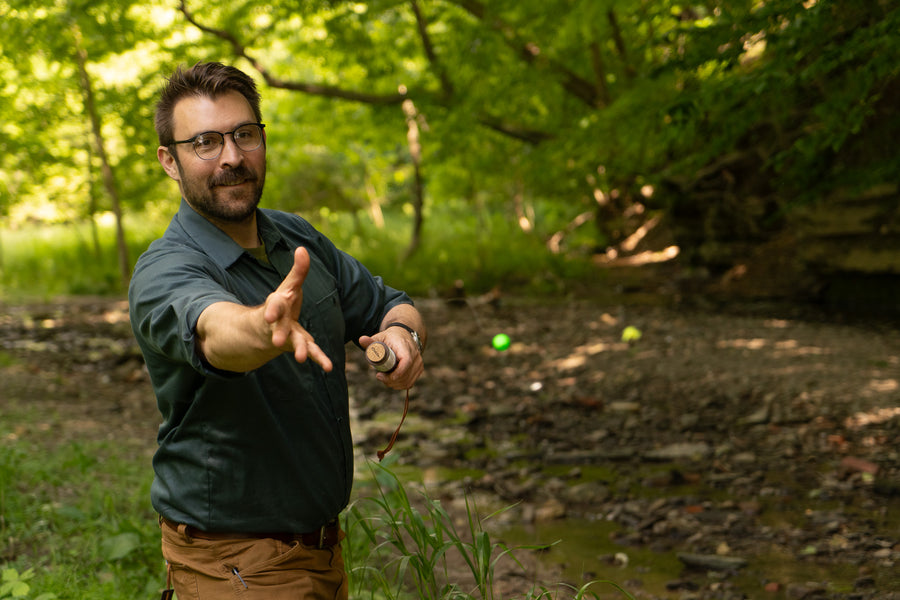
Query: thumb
{"x": 288, "y": 296}
{"x": 297, "y": 275}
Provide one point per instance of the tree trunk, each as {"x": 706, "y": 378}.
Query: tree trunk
{"x": 109, "y": 180}
{"x": 92, "y": 206}
{"x": 415, "y": 151}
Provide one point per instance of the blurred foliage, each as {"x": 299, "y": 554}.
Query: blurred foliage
{"x": 542, "y": 108}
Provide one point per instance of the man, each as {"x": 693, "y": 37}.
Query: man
{"x": 242, "y": 315}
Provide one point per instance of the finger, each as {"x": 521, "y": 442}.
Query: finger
{"x": 293, "y": 282}
{"x": 288, "y": 296}
{"x": 305, "y": 348}
{"x": 318, "y": 356}
{"x": 405, "y": 376}
{"x": 281, "y": 332}
{"x": 275, "y": 310}
{"x": 365, "y": 341}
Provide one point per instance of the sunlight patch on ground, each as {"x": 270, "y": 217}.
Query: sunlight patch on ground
{"x": 782, "y": 348}
{"x": 580, "y": 357}
{"x": 754, "y": 344}
{"x": 872, "y": 417}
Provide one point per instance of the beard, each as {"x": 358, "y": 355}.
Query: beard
{"x": 217, "y": 200}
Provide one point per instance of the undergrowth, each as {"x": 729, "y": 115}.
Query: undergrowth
{"x": 480, "y": 251}
{"x": 404, "y": 548}
{"x": 76, "y": 522}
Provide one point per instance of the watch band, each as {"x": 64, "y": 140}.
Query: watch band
{"x": 412, "y": 332}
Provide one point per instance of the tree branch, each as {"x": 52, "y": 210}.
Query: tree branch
{"x": 310, "y": 88}
{"x": 524, "y": 134}
{"x": 531, "y": 136}
{"x": 620, "y": 42}
{"x": 599, "y": 73}
{"x": 531, "y": 53}
{"x": 446, "y": 84}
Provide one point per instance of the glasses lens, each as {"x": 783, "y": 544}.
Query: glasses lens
{"x": 209, "y": 145}
{"x": 248, "y": 137}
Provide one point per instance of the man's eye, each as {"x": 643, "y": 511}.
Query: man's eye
{"x": 205, "y": 141}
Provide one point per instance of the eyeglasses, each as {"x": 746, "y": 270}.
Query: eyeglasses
{"x": 209, "y": 145}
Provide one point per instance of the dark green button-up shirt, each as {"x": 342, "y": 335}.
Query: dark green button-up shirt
{"x": 268, "y": 450}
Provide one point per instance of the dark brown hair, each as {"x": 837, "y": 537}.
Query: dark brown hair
{"x": 210, "y": 79}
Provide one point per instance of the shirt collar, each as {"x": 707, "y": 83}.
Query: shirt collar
{"x": 268, "y": 231}
{"x": 217, "y": 244}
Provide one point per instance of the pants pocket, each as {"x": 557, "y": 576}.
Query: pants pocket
{"x": 253, "y": 568}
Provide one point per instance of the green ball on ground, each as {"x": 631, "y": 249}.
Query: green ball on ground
{"x": 500, "y": 342}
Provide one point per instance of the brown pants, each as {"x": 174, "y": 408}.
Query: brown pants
{"x": 252, "y": 568}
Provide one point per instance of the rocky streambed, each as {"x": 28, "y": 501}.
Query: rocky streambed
{"x": 742, "y": 453}
{"x": 747, "y": 454}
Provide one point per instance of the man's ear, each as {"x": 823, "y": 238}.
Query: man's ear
{"x": 167, "y": 160}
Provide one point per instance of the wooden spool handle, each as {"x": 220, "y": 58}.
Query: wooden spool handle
{"x": 381, "y": 357}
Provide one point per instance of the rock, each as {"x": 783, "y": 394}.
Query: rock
{"x": 712, "y": 562}
{"x": 550, "y": 511}
{"x": 688, "y": 421}
{"x": 679, "y": 451}
{"x": 801, "y": 591}
{"x": 760, "y": 417}
{"x": 744, "y": 458}
{"x": 886, "y": 486}
{"x": 852, "y": 463}
{"x": 666, "y": 479}
{"x": 624, "y": 406}
{"x": 591, "y": 492}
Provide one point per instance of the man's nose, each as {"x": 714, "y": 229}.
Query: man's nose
{"x": 231, "y": 154}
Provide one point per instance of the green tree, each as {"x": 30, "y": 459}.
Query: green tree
{"x": 74, "y": 110}
{"x": 557, "y": 113}
{"x": 586, "y": 101}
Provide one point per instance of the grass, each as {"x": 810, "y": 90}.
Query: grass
{"x": 404, "y": 548}
{"x": 43, "y": 261}
{"x": 481, "y": 250}
{"x": 77, "y": 523}
{"x": 75, "y": 519}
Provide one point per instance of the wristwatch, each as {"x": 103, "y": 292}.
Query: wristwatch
{"x": 412, "y": 332}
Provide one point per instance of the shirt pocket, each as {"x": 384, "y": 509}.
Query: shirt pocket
{"x": 325, "y": 321}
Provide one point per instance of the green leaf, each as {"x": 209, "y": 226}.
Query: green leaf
{"x": 14, "y": 589}
{"x": 120, "y": 546}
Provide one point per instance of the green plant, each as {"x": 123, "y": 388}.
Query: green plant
{"x": 15, "y": 585}
{"x": 397, "y": 549}
{"x": 75, "y": 516}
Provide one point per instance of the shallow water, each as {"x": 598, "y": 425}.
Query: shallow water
{"x": 586, "y": 552}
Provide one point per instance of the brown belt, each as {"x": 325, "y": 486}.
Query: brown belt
{"x": 326, "y": 536}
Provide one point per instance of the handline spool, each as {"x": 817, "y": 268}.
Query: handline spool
{"x": 381, "y": 357}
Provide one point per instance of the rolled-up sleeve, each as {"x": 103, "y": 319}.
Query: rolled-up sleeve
{"x": 166, "y": 296}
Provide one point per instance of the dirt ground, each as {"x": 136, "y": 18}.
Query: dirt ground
{"x": 717, "y": 436}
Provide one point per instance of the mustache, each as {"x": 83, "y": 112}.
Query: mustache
{"x": 233, "y": 176}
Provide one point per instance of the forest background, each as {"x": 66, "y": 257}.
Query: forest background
{"x": 524, "y": 144}
{"x": 736, "y": 147}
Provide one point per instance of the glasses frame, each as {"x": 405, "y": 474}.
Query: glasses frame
{"x": 262, "y": 140}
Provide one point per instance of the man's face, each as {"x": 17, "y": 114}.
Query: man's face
{"x": 227, "y": 188}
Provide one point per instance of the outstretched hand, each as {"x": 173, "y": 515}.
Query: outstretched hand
{"x": 282, "y": 311}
